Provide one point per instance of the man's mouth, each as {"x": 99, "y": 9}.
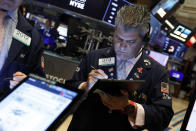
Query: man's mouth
{"x": 122, "y": 52}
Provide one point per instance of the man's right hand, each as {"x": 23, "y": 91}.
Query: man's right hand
{"x": 93, "y": 77}
{"x": 17, "y": 77}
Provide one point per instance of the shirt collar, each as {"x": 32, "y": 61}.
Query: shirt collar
{"x": 13, "y": 15}
{"x": 133, "y": 60}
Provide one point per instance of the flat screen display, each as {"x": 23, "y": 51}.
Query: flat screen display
{"x": 155, "y": 28}
{"x": 163, "y": 8}
{"x": 174, "y": 48}
{"x": 181, "y": 33}
{"x": 159, "y": 57}
{"x": 104, "y": 10}
{"x": 111, "y": 10}
{"x": 177, "y": 75}
{"x": 33, "y": 106}
{"x": 62, "y": 29}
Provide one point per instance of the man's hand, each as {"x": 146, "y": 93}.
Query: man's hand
{"x": 114, "y": 102}
{"x": 17, "y": 77}
{"x": 93, "y": 77}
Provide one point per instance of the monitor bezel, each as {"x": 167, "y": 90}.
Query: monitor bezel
{"x": 189, "y": 111}
{"x": 66, "y": 112}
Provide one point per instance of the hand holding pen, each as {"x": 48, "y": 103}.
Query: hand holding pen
{"x": 95, "y": 75}
{"x": 17, "y": 77}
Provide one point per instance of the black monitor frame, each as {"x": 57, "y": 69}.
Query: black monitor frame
{"x": 189, "y": 111}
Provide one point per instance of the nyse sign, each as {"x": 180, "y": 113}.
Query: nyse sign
{"x": 78, "y": 3}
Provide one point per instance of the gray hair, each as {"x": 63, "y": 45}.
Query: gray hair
{"x": 134, "y": 17}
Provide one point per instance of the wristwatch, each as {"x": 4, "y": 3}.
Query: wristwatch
{"x": 130, "y": 108}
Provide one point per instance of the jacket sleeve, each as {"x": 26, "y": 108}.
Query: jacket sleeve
{"x": 158, "y": 112}
{"x": 81, "y": 73}
{"x": 35, "y": 54}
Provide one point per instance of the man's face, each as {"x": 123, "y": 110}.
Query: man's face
{"x": 126, "y": 44}
{"x": 9, "y": 5}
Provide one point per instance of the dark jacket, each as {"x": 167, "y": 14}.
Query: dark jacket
{"x": 26, "y": 59}
{"x": 156, "y": 102}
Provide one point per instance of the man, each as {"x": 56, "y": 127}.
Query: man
{"x": 150, "y": 106}
{"x": 20, "y": 46}
{"x": 48, "y": 36}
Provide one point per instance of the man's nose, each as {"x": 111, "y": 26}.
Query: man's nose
{"x": 123, "y": 44}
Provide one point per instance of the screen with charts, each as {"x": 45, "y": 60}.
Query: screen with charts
{"x": 34, "y": 106}
{"x": 104, "y": 10}
{"x": 191, "y": 122}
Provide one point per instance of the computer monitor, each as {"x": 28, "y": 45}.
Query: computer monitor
{"x": 174, "y": 48}
{"x": 164, "y": 8}
{"x": 159, "y": 57}
{"x": 176, "y": 75}
{"x": 181, "y": 33}
{"x": 190, "y": 116}
{"x": 36, "y": 104}
{"x": 62, "y": 30}
{"x": 102, "y": 10}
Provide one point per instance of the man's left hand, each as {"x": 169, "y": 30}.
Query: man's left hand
{"x": 114, "y": 102}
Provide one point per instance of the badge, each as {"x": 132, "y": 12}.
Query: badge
{"x": 111, "y": 69}
{"x": 166, "y": 96}
{"x": 22, "y": 55}
{"x": 77, "y": 69}
{"x": 147, "y": 62}
{"x": 23, "y": 38}
{"x": 112, "y": 74}
{"x": 164, "y": 87}
{"x": 136, "y": 75}
{"x": 107, "y": 61}
{"x": 139, "y": 70}
{"x": 144, "y": 97}
{"x": 134, "y": 93}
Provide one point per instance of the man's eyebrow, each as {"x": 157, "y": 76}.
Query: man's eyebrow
{"x": 132, "y": 40}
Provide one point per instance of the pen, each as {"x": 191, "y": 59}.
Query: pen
{"x": 98, "y": 72}
{"x": 93, "y": 67}
{"x": 8, "y": 78}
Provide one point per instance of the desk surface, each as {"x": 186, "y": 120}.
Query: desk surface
{"x": 65, "y": 124}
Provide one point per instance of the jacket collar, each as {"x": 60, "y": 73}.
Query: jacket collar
{"x": 142, "y": 66}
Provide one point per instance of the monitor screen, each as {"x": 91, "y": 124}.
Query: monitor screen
{"x": 155, "y": 28}
{"x": 34, "y": 105}
{"x": 174, "y": 48}
{"x": 163, "y": 8}
{"x": 177, "y": 75}
{"x": 159, "y": 57}
{"x": 104, "y": 10}
{"x": 111, "y": 10}
{"x": 62, "y": 29}
{"x": 181, "y": 33}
